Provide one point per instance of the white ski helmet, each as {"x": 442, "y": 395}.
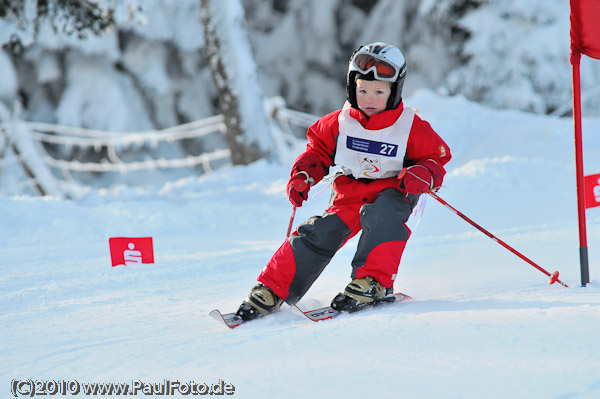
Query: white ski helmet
{"x": 377, "y": 61}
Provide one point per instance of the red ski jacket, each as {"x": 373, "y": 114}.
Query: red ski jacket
{"x": 423, "y": 142}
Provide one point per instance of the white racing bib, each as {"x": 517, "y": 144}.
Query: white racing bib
{"x": 372, "y": 154}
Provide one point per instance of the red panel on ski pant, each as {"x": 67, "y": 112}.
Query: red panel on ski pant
{"x": 383, "y": 238}
{"x": 382, "y": 263}
{"x": 356, "y": 204}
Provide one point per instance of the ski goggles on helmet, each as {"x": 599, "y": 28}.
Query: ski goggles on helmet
{"x": 365, "y": 62}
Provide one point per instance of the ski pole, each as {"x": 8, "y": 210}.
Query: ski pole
{"x": 553, "y": 276}
{"x": 291, "y": 222}
{"x": 299, "y": 186}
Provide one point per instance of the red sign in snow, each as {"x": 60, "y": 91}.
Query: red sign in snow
{"x": 131, "y": 250}
{"x": 592, "y": 191}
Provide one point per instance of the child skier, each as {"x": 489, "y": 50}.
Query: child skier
{"x": 388, "y": 156}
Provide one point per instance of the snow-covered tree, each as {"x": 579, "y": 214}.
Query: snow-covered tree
{"x": 303, "y": 48}
{"x": 518, "y": 57}
{"x": 73, "y": 17}
{"x": 503, "y": 53}
{"x": 234, "y": 74}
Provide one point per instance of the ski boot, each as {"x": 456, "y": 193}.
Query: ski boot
{"x": 261, "y": 301}
{"x": 362, "y": 292}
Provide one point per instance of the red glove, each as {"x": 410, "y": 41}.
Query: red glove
{"x": 416, "y": 180}
{"x": 306, "y": 172}
{"x": 298, "y": 187}
{"x": 425, "y": 175}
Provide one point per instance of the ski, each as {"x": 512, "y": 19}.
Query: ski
{"x": 231, "y": 320}
{"x": 328, "y": 312}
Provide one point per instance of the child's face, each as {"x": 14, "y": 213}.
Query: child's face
{"x": 372, "y": 95}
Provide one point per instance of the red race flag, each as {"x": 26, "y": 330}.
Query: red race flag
{"x": 130, "y": 250}
{"x": 585, "y": 39}
{"x": 592, "y": 191}
{"x": 585, "y": 27}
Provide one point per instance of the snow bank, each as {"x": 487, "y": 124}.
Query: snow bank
{"x": 482, "y": 323}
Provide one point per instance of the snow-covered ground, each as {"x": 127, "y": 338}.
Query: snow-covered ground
{"x": 483, "y": 323}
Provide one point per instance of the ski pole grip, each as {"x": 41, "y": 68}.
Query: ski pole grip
{"x": 300, "y": 185}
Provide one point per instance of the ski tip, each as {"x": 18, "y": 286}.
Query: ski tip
{"x": 231, "y": 320}
{"x": 400, "y": 297}
{"x": 216, "y": 314}
{"x": 320, "y": 314}
{"x": 297, "y": 310}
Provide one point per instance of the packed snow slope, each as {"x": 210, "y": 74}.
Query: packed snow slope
{"x": 483, "y": 323}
